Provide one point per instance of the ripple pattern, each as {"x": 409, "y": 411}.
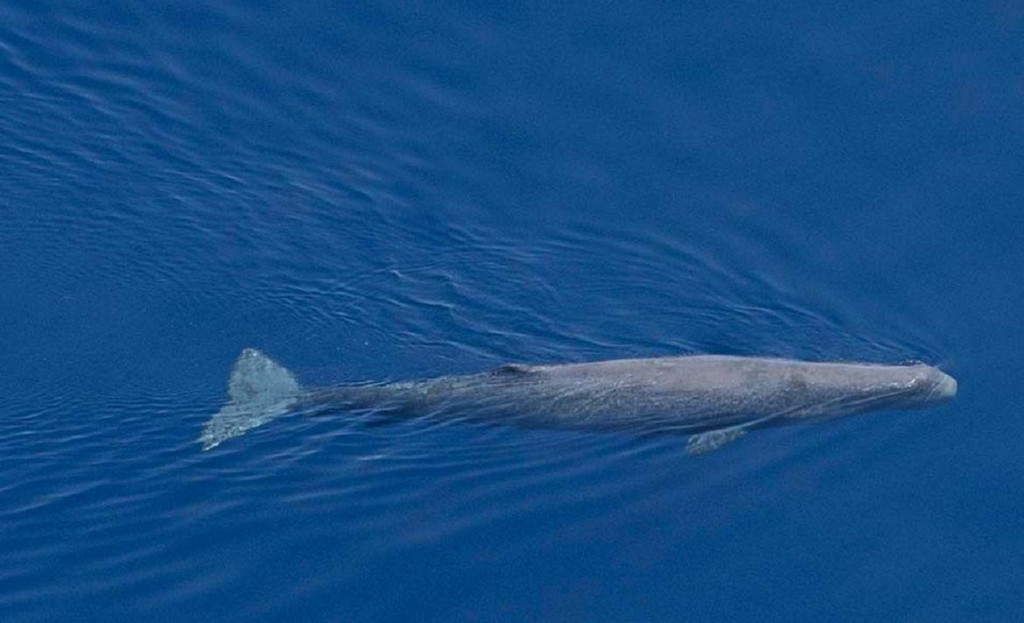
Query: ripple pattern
{"x": 378, "y": 191}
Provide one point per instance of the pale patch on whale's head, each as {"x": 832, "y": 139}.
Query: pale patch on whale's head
{"x": 928, "y": 386}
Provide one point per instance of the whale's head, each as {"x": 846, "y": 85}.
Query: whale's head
{"x": 840, "y": 389}
{"x": 912, "y": 386}
{"x": 928, "y": 386}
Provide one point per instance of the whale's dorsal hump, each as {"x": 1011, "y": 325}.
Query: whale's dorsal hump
{"x": 512, "y": 369}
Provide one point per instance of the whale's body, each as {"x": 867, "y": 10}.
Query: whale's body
{"x": 713, "y": 398}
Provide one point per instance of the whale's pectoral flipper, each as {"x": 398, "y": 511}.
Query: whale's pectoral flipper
{"x": 260, "y": 389}
{"x": 712, "y": 440}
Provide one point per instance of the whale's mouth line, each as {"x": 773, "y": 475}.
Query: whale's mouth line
{"x": 864, "y": 403}
{"x": 897, "y": 398}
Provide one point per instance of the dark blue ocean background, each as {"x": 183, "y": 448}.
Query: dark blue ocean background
{"x": 400, "y": 190}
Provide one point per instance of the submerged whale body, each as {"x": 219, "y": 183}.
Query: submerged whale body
{"x": 712, "y": 398}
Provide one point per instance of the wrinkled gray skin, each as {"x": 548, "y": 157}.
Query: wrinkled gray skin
{"x": 721, "y": 394}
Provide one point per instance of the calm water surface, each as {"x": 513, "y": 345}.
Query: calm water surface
{"x": 372, "y": 191}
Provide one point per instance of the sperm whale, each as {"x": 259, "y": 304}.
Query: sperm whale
{"x": 713, "y": 399}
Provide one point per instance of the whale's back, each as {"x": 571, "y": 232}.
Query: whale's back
{"x": 722, "y": 394}
{"x": 692, "y": 392}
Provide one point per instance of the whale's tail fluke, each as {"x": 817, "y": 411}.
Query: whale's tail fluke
{"x": 260, "y": 389}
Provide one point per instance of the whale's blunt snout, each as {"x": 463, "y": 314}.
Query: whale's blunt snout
{"x": 930, "y": 386}
{"x": 945, "y": 389}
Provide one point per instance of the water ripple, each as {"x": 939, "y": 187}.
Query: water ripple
{"x": 370, "y": 201}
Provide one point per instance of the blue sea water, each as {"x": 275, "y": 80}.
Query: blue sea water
{"x": 396, "y": 190}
